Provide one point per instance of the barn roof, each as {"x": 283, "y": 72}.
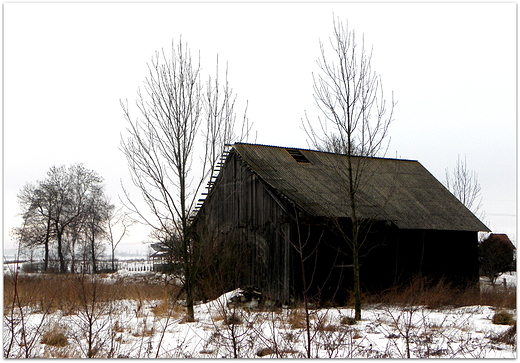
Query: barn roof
{"x": 502, "y": 238}
{"x": 401, "y": 191}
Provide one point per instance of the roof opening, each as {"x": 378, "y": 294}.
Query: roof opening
{"x": 298, "y": 156}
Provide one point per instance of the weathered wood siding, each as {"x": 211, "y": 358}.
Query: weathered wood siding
{"x": 240, "y": 214}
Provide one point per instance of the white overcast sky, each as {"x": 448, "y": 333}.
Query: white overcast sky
{"x": 452, "y": 68}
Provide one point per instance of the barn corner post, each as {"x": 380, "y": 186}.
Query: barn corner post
{"x": 355, "y": 123}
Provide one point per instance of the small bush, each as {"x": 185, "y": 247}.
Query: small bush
{"x": 31, "y": 267}
{"x": 507, "y": 337}
{"x": 265, "y": 351}
{"x": 496, "y": 255}
{"x": 55, "y": 337}
{"x": 233, "y": 319}
{"x": 503, "y": 318}
{"x": 347, "y": 320}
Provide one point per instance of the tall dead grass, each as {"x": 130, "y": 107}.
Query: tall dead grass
{"x": 51, "y": 292}
{"x": 56, "y": 337}
{"x": 422, "y": 292}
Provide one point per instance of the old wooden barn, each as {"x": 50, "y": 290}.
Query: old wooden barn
{"x": 267, "y": 202}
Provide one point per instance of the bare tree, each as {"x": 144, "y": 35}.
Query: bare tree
{"x": 118, "y": 223}
{"x": 21, "y": 331}
{"x": 300, "y": 246}
{"x": 355, "y": 122}
{"x": 464, "y": 185}
{"x": 96, "y": 225}
{"x": 163, "y": 141}
{"x": 91, "y": 314}
{"x": 37, "y": 231}
{"x": 75, "y": 236}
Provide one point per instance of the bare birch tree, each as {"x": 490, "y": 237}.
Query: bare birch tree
{"x": 177, "y": 114}
{"x": 355, "y": 122}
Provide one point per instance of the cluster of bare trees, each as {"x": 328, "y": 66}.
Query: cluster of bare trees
{"x": 69, "y": 217}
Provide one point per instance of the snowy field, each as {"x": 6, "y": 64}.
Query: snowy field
{"x": 153, "y": 329}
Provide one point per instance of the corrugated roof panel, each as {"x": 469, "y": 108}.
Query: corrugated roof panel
{"x": 402, "y": 191}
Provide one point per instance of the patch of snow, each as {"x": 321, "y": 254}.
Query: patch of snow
{"x": 135, "y": 329}
{"x": 505, "y": 281}
{"x": 131, "y": 329}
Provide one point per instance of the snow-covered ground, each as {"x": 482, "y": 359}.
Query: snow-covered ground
{"x": 150, "y": 329}
{"x": 506, "y": 280}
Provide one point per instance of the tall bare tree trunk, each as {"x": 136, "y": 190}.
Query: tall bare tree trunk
{"x": 59, "y": 237}
{"x": 93, "y": 252}
{"x": 188, "y": 273}
{"x": 46, "y": 246}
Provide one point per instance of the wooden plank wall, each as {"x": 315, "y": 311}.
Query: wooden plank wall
{"x": 241, "y": 214}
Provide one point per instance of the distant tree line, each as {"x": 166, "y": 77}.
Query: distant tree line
{"x": 68, "y": 217}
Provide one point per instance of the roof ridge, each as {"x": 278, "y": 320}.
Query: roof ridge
{"x": 319, "y": 151}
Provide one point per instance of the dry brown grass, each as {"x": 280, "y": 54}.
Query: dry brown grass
{"x": 51, "y": 292}
{"x": 296, "y": 320}
{"x": 441, "y": 295}
{"x": 228, "y": 319}
{"x": 499, "y": 299}
{"x": 166, "y": 307}
{"x": 162, "y": 308}
{"x": 357, "y": 335}
{"x": 55, "y": 337}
